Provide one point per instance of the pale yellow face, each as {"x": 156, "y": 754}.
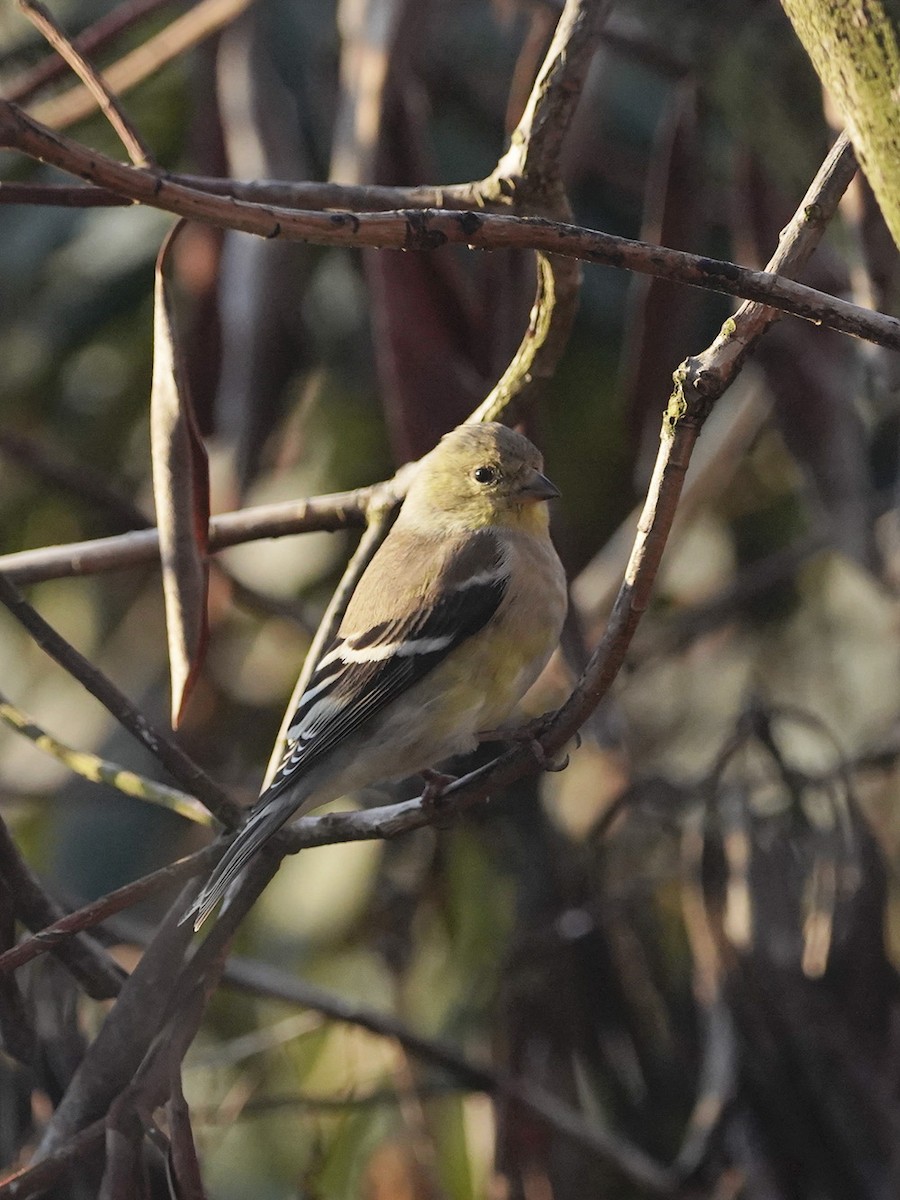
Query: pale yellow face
{"x": 480, "y": 475}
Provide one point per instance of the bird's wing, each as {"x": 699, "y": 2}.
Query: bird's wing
{"x": 377, "y": 656}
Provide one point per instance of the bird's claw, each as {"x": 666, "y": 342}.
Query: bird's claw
{"x": 435, "y": 783}
{"x": 529, "y": 734}
{"x": 543, "y": 759}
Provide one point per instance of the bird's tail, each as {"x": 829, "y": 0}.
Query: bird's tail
{"x": 264, "y": 821}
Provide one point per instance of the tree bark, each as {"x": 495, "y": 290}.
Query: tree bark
{"x": 855, "y": 48}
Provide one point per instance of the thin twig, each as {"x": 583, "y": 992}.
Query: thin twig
{"x": 101, "y": 770}
{"x": 104, "y": 97}
{"x": 123, "y": 17}
{"x": 192, "y": 777}
{"x": 528, "y": 177}
{"x": 187, "y": 30}
{"x": 260, "y": 979}
{"x": 98, "y": 911}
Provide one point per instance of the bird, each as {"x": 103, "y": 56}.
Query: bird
{"x": 451, "y": 622}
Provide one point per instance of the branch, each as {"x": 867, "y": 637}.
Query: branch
{"x": 103, "y": 96}
{"x": 107, "y": 906}
{"x": 701, "y": 381}
{"x": 313, "y": 195}
{"x": 187, "y": 30}
{"x": 192, "y": 778}
{"x": 531, "y": 166}
{"x": 341, "y": 510}
{"x": 123, "y": 16}
{"x": 528, "y": 176}
{"x": 36, "y": 1179}
{"x": 429, "y": 230}
{"x": 259, "y": 979}
{"x": 101, "y": 770}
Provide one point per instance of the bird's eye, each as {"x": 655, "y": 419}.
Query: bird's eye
{"x": 484, "y": 475}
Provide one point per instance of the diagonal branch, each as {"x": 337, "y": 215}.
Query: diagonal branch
{"x": 104, "y": 97}
{"x": 168, "y": 752}
{"x": 199, "y": 22}
{"x": 100, "y": 770}
{"x": 101, "y": 33}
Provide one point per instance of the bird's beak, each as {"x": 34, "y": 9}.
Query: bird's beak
{"x": 538, "y": 487}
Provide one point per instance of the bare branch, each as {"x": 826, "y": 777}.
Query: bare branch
{"x": 101, "y": 770}
{"x": 528, "y": 176}
{"x": 532, "y": 162}
{"x": 431, "y": 229}
{"x": 115, "y": 1054}
{"x": 114, "y": 902}
{"x": 168, "y": 752}
{"x": 35, "y": 1179}
{"x": 342, "y": 510}
{"x": 261, "y": 979}
{"x": 185, "y": 31}
{"x": 123, "y": 16}
{"x": 313, "y": 195}
{"x": 104, "y": 97}
{"x": 701, "y": 382}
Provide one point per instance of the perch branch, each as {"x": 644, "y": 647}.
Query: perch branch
{"x": 124, "y": 16}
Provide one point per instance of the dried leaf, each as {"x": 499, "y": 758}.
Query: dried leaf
{"x": 181, "y": 493}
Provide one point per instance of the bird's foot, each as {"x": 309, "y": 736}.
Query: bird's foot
{"x": 529, "y": 734}
{"x": 435, "y": 782}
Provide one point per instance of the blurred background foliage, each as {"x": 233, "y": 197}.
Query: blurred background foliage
{"x": 556, "y": 932}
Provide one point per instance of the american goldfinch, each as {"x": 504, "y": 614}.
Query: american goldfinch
{"x": 450, "y": 624}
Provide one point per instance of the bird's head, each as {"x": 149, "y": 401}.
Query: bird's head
{"x": 480, "y": 476}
